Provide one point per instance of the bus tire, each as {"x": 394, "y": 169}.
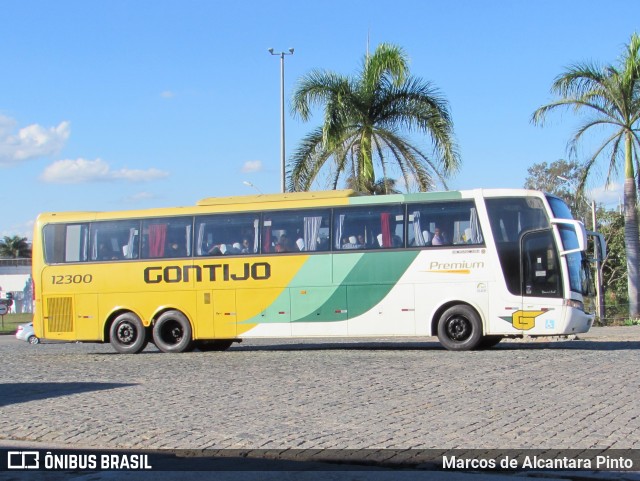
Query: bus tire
{"x": 216, "y": 345}
{"x": 460, "y": 328}
{"x": 127, "y": 334}
{"x": 172, "y": 332}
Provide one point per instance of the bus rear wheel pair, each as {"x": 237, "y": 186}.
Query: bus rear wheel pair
{"x": 171, "y": 333}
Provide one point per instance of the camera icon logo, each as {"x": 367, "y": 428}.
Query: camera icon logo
{"x": 23, "y": 460}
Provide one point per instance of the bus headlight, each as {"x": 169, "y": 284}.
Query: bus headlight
{"x": 573, "y": 303}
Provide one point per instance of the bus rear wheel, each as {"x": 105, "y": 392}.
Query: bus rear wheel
{"x": 460, "y": 328}
{"x": 127, "y": 334}
{"x": 172, "y": 332}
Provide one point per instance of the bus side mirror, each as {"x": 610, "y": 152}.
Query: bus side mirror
{"x": 600, "y": 243}
{"x": 581, "y": 234}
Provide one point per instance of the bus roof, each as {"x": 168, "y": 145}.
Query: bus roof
{"x": 288, "y": 200}
{"x": 287, "y": 196}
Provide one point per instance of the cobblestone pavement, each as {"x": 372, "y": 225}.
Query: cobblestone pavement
{"x": 316, "y": 394}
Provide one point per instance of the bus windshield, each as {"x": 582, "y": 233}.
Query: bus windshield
{"x": 580, "y": 279}
{"x": 559, "y": 208}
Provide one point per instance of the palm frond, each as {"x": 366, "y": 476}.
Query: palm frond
{"x": 381, "y": 100}
{"x": 316, "y": 88}
{"x": 579, "y": 79}
{"x": 388, "y": 63}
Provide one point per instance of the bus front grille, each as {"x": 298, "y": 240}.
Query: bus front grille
{"x": 60, "y": 314}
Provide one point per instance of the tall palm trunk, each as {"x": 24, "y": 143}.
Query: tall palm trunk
{"x": 631, "y": 232}
{"x": 367, "y": 175}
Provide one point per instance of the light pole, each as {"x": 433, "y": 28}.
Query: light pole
{"x": 249, "y": 184}
{"x": 596, "y": 253}
{"x": 282, "y": 154}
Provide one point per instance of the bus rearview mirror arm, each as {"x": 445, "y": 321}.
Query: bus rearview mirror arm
{"x": 581, "y": 234}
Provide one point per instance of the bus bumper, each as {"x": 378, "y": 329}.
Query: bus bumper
{"x": 578, "y": 321}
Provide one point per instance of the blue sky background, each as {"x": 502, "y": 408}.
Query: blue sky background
{"x": 108, "y": 105}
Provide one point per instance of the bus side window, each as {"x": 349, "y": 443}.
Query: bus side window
{"x": 541, "y": 269}
{"x": 168, "y": 237}
{"x": 368, "y": 228}
{"x": 110, "y": 240}
{"x": 227, "y": 234}
{"x": 66, "y": 243}
{"x": 457, "y": 222}
{"x": 303, "y": 231}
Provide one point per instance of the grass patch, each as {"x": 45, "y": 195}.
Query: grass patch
{"x": 10, "y": 322}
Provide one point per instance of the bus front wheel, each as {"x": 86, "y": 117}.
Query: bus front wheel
{"x": 460, "y": 328}
{"x": 172, "y": 332}
{"x": 127, "y": 334}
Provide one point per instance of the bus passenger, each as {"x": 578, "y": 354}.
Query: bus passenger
{"x": 283, "y": 244}
{"x": 352, "y": 243}
{"x": 214, "y": 251}
{"x": 176, "y": 250}
{"x": 439, "y": 239}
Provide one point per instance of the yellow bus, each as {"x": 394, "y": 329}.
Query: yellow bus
{"x": 471, "y": 267}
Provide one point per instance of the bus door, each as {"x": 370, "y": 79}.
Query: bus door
{"x": 541, "y": 283}
{"x": 216, "y": 314}
{"x": 224, "y": 313}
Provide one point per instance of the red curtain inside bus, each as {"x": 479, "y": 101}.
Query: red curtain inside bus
{"x": 386, "y": 229}
{"x": 157, "y": 238}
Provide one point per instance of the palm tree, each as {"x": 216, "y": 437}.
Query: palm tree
{"x": 15, "y": 247}
{"x": 381, "y": 186}
{"x": 611, "y": 95}
{"x": 363, "y": 120}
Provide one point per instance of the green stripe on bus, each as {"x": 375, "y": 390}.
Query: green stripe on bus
{"x": 375, "y": 273}
{"x": 400, "y": 198}
{"x": 368, "y": 275}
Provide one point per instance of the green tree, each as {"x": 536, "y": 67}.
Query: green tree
{"x": 614, "y": 265}
{"x": 379, "y": 187}
{"x": 611, "y": 96}
{"x": 15, "y": 247}
{"x": 559, "y": 178}
{"x": 364, "y": 117}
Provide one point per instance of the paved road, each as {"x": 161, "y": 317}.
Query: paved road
{"x": 326, "y": 394}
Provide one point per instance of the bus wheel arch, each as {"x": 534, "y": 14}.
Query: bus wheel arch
{"x": 126, "y": 332}
{"x": 459, "y": 326}
{"x": 172, "y": 331}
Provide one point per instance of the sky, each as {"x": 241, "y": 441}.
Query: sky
{"x": 111, "y": 105}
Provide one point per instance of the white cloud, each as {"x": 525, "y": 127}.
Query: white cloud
{"x": 30, "y": 142}
{"x": 251, "y": 166}
{"x": 167, "y": 94}
{"x": 83, "y": 171}
{"x": 138, "y": 175}
{"x": 607, "y": 195}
